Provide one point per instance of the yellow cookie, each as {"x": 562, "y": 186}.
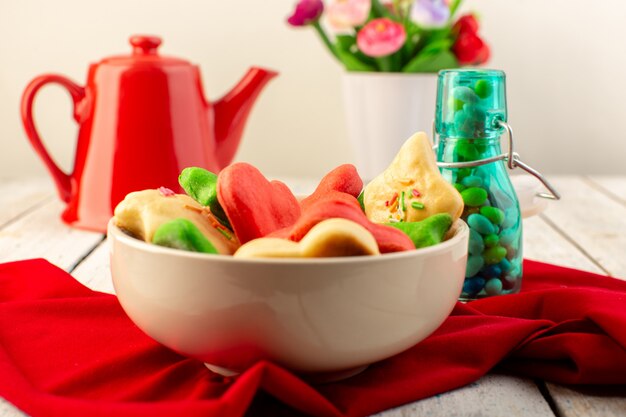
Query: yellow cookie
{"x": 142, "y": 212}
{"x": 269, "y": 247}
{"x": 328, "y": 238}
{"x": 411, "y": 188}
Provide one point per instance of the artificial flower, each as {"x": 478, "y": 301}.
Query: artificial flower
{"x": 345, "y": 14}
{"x": 470, "y": 49}
{"x": 381, "y": 37}
{"x": 306, "y": 12}
{"x": 466, "y": 23}
{"x": 430, "y": 13}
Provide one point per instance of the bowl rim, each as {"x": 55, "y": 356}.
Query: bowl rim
{"x": 462, "y": 231}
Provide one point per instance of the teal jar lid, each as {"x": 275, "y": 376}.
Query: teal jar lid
{"x": 470, "y": 102}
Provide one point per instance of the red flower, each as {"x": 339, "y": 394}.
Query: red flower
{"x": 466, "y": 23}
{"x": 468, "y": 47}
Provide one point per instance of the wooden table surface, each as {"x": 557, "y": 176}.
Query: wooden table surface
{"x": 585, "y": 230}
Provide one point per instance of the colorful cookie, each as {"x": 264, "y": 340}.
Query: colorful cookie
{"x": 427, "y": 232}
{"x": 328, "y": 238}
{"x": 341, "y": 205}
{"x": 342, "y": 179}
{"x": 141, "y": 213}
{"x": 255, "y": 206}
{"x": 411, "y": 188}
{"x": 201, "y": 185}
{"x": 182, "y": 234}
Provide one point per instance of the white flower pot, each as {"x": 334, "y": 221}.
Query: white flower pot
{"x": 382, "y": 111}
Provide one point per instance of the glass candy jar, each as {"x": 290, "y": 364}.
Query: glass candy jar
{"x": 470, "y": 118}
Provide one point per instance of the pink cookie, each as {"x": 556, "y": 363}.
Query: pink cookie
{"x": 342, "y": 179}
{"x": 341, "y": 205}
{"x": 255, "y": 206}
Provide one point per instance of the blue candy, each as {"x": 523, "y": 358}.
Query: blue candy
{"x": 474, "y": 263}
{"x": 505, "y": 265}
{"x": 472, "y": 286}
{"x": 481, "y": 224}
{"x": 465, "y": 94}
{"x": 493, "y": 287}
{"x": 476, "y": 244}
{"x": 492, "y": 271}
{"x": 508, "y": 236}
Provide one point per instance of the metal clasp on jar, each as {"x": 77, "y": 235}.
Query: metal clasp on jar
{"x": 512, "y": 158}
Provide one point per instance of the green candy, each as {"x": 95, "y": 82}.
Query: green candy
{"x": 474, "y": 196}
{"x": 463, "y": 172}
{"x": 472, "y": 181}
{"x": 494, "y": 255}
{"x": 182, "y": 234}
{"x": 427, "y": 232}
{"x": 201, "y": 185}
{"x": 483, "y": 89}
{"x": 459, "y": 187}
{"x": 494, "y": 214}
{"x": 467, "y": 150}
{"x": 491, "y": 240}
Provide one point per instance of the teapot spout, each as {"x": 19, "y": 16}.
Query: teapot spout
{"x": 232, "y": 110}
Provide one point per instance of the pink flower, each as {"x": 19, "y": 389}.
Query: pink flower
{"x": 345, "y": 14}
{"x": 381, "y": 37}
{"x": 306, "y": 12}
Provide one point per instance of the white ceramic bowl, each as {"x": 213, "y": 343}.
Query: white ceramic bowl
{"x": 325, "y": 315}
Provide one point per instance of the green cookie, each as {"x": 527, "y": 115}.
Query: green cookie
{"x": 360, "y": 200}
{"x": 427, "y": 232}
{"x": 182, "y": 234}
{"x": 201, "y": 185}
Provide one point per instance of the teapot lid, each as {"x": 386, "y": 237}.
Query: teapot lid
{"x": 144, "y": 52}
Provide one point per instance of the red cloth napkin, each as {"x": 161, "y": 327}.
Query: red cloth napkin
{"x": 68, "y": 351}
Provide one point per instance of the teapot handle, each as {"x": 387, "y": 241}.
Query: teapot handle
{"x": 61, "y": 179}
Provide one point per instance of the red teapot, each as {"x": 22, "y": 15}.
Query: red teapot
{"x": 142, "y": 119}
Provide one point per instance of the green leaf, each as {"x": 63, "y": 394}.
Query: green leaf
{"x": 427, "y": 61}
{"x": 352, "y": 63}
{"x": 437, "y": 46}
{"x": 351, "y": 57}
{"x": 454, "y": 6}
{"x": 378, "y": 10}
{"x": 345, "y": 42}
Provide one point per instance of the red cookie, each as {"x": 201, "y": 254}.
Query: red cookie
{"x": 347, "y": 207}
{"x": 344, "y": 179}
{"x": 255, "y": 207}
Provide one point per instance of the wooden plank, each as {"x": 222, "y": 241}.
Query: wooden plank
{"x": 18, "y": 197}
{"x": 592, "y": 221}
{"x": 492, "y": 395}
{"x": 544, "y": 243}
{"x": 603, "y": 401}
{"x": 95, "y": 272}
{"x": 41, "y": 234}
{"x": 614, "y": 186}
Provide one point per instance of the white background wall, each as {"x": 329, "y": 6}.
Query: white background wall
{"x": 564, "y": 60}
